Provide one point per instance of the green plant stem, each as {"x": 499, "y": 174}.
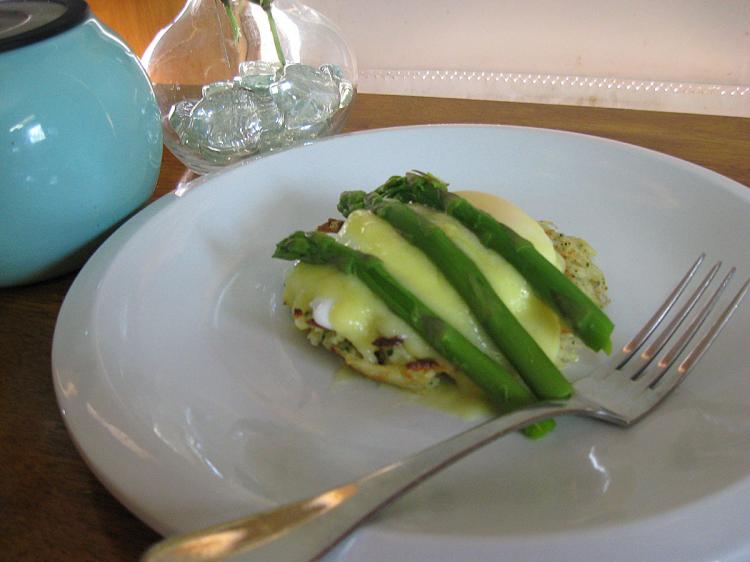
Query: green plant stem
{"x": 274, "y": 33}
{"x": 266, "y": 5}
{"x": 234, "y": 24}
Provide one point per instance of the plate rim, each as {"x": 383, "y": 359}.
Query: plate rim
{"x": 109, "y": 250}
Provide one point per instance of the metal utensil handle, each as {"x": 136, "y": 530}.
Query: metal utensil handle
{"x": 308, "y": 529}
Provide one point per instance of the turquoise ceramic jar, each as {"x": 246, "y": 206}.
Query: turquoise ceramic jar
{"x": 80, "y": 137}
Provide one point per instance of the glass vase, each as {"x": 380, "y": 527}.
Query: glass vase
{"x": 240, "y": 78}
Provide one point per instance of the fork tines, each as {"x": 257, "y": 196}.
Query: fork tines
{"x": 674, "y": 333}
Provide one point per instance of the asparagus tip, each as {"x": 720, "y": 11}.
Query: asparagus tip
{"x": 293, "y": 247}
{"x": 428, "y": 177}
{"x": 350, "y": 201}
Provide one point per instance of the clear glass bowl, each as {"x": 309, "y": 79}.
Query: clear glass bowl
{"x": 233, "y": 85}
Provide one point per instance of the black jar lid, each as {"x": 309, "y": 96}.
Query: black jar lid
{"x": 23, "y": 22}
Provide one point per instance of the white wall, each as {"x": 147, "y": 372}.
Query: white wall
{"x": 679, "y": 55}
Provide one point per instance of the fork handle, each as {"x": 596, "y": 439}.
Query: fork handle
{"x": 307, "y": 529}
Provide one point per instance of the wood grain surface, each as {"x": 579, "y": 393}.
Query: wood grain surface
{"x": 53, "y": 508}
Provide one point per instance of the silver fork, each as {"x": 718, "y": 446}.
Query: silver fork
{"x": 621, "y": 392}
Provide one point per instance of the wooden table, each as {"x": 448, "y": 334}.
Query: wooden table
{"x": 52, "y": 507}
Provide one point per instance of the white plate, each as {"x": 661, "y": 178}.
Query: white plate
{"x": 194, "y": 400}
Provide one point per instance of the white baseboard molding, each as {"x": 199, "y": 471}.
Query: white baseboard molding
{"x": 681, "y": 97}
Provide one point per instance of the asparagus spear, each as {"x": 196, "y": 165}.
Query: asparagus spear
{"x": 573, "y": 306}
{"x": 536, "y": 369}
{"x": 499, "y": 385}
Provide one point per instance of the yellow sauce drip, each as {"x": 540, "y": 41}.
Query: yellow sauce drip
{"x": 360, "y": 317}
